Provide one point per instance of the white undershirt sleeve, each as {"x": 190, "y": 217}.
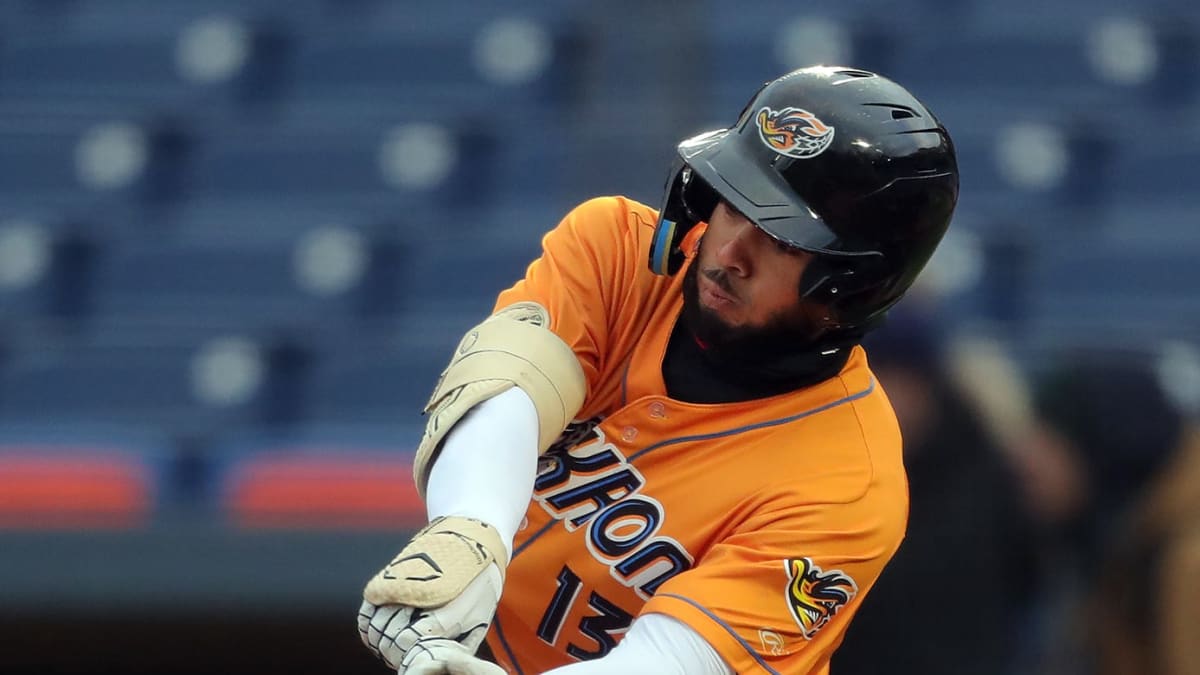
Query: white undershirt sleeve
{"x": 487, "y": 465}
{"x": 486, "y": 470}
{"x": 656, "y": 644}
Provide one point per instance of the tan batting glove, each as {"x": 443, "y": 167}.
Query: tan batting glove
{"x": 446, "y": 583}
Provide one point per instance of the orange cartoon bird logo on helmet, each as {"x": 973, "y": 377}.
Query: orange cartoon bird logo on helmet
{"x": 815, "y": 596}
{"x": 793, "y": 132}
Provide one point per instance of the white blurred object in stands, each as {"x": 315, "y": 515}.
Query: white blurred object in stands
{"x": 212, "y": 49}
{"x": 956, "y": 266}
{"x": 111, "y": 155}
{"x": 1179, "y": 374}
{"x": 1032, "y": 155}
{"x": 329, "y": 260}
{"x": 1122, "y": 50}
{"x": 24, "y": 253}
{"x": 227, "y": 371}
{"x": 417, "y": 156}
{"x": 513, "y": 51}
{"x": 804, "y": 42}
{"x": 985, "y": 370}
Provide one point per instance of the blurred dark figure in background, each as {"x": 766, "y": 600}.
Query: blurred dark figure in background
{"x": 950, "y": 601}
{"x": 1113, "y": 476}
{"x": 1146, "y": 604}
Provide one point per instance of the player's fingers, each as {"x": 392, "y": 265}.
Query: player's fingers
{"x": 377, "y": 628}
{"x": 369, "y": 637}
{"x": 441, "y": 656}
{"x": 365, "y": 613}
{"x": 422, "y": 659}
{"x": 385, "y": 624}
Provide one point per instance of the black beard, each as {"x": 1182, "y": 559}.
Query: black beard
{"x": 740, "y": 346}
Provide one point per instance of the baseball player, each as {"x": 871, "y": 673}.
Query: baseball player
{"x": 684, "y": 466}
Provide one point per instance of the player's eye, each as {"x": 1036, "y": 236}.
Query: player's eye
{"x": 786, "y": 248}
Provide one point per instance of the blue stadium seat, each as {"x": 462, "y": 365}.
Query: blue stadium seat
{"x": 1029, "y": 62}
{"x": 130, "y": 384}
{"x": 1036, "y": 16}
{"x": 160, "y": 376}
{"x": 423, "y": 51}
{"x": 126, "y": 50}
{"x": 742, "y": 41}
{"x": 380, "y": 386}
{"x": 337, "y": 156}
{"x": 37, "y": 160}
{"x": 330, "y": 161}
{"x": 466, "y": 275}
{"x": 259, "y": 221}
{"x": 256, "y": 285}
{"x": 1163, "y": 167}
{"x": 44, "y": 165}
{"x": 62, "y": 65}
{"x": 1124, "y": 291}
{"x": 1147, "y": 222}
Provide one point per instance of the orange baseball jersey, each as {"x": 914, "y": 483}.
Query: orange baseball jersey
{"x": 760, "y": 524}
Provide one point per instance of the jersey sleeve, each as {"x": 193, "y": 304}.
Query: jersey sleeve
{"x": 585, "y": 267}
{"x": 776, "y": 595}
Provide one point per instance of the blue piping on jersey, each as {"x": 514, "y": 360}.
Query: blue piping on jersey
{"x": 728, "y": 629}
{"x": 504, "y": 643}
{"x": 625, "y": 383}
{"x": 700, "y": 437}
{"x": 769, "y": 423}
{"x": 536, "y": 535}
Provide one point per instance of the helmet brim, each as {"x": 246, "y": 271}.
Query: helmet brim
{"x": 762, "y": 195}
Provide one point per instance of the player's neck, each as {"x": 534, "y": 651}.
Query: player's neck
{"x": 695, "y": 374}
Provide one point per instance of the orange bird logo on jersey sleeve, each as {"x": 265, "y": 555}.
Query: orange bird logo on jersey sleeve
{"x": 815, "y": 596}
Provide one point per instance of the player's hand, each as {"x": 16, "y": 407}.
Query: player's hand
{"x": 441, "y": 656}
{"x": 445, "y": 584}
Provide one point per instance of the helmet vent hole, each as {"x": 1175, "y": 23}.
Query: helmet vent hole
{"x": 898, "y": 112}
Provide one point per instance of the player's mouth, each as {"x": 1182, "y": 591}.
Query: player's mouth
{"x": 713, "y": 295}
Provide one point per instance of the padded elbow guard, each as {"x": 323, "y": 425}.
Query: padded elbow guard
{"x": 513, "y": 347}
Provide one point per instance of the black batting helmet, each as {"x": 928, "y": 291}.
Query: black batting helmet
{"x": 843, "y": 163}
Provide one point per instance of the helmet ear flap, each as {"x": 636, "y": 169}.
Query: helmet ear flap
{"x": 698, "y": 197}
{"x": 831, "y": 282}
{"x": 689, "y": 200}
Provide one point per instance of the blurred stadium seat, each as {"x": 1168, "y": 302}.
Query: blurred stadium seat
{"x": 78, "y": 479}
{"x": 104, "y": 66}
{"x": 379, "y": 386}
{"x": 255, "y": 284}
{"x": 148, "y": 384}
{"x": 321, "y": 479}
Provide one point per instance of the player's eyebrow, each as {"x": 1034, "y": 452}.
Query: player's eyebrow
{"x": 735, "y": 209}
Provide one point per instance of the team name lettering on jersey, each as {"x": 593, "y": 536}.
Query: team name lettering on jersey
{"x": 592, "y": 485}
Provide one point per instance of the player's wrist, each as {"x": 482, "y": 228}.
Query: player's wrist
{"x": 438, "y": 563}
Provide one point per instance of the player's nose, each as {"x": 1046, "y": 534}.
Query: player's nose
{"x": 736, "y": 255}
